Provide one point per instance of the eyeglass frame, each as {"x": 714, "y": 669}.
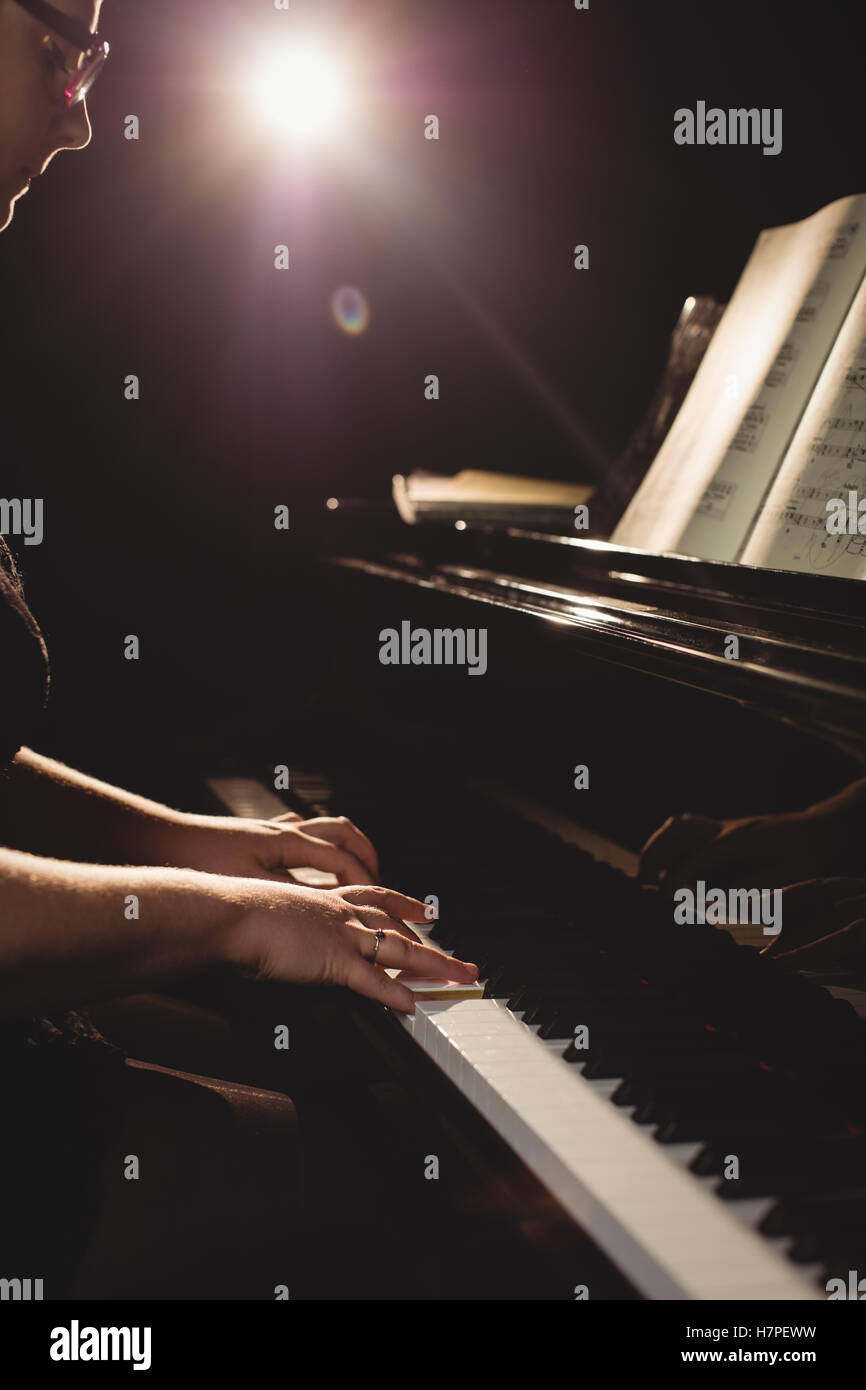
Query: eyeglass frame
{"x": 95, "y": 50}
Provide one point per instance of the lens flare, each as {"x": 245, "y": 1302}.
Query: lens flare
{"x": 350, "y": 309}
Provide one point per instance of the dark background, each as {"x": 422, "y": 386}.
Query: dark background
{"x": 156, "y": 258}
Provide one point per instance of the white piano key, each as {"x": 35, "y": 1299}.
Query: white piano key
{"x": 505, "y": 1059}
{"x": 315, "y": 878}
{"x": 752, "y": 1210}
{"x": 423, "y": 1013}
{"x": 409, "y": 1021}
{"x": 681, "y": 1154}
{"x": 246, "y": 796}
{"x": 439, "y": 989}
{"x": 602, "y": 1086}
{"x": 471, "y": 1014}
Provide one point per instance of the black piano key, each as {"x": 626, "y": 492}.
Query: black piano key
{"x": 823, "y": 1227}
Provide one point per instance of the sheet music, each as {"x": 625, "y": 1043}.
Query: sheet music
{"x": 827, "y": 459}
{"x": 720, "y": 456}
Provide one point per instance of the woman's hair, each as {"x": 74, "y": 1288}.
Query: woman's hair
{"x": 14, "y": 612}
{"x": 8, "y": 568}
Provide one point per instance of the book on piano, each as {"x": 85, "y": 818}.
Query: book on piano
{"x": 497, "y": 498}
{"x": 765, "y": 462}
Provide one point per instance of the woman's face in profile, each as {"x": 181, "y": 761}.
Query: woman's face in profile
{"x": 35, "y": 121}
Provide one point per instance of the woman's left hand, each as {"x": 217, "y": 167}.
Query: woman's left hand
{"x": 268, "y": 848}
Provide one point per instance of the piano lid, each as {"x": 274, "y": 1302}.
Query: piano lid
{"x": 801, "y": 637}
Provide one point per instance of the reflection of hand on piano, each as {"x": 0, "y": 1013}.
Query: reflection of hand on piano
{"x": 823, "y": 924}
{"x": 767, "y": 851}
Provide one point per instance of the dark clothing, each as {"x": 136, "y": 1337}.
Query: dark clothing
{"x": 57, "y": 1076}
{"x": 219, "y": 1159}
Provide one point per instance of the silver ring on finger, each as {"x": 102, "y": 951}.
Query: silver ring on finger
{"x": 380, "y": 937}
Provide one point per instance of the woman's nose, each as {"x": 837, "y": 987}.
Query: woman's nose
{"x": 72, "y": 131}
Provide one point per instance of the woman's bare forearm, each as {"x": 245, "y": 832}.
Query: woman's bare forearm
{"x": 849, "y": 804}
{"x": 49, "y": 808}
{"x": 78, "y": 932}
{"x": 75, "y": 933}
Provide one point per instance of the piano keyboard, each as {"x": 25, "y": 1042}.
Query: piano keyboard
{"x": 632, "y": 1133}
{"x": 669, "y": 1235}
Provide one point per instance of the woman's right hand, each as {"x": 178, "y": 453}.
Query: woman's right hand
{"x": 311, "y": 936}
{"x": 767, "y": 851}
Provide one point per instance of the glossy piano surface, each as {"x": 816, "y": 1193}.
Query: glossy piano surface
{"x": 802, "y": 638}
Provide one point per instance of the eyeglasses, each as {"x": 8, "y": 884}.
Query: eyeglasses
{"x": 94, "y": 51}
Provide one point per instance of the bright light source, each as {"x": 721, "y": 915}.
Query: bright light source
{"x": 299, "y": 91}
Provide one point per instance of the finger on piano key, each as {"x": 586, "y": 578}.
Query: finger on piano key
{"x": 437, "y": 989}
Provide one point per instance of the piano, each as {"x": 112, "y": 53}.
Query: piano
{"x": 611, "y": 1065}
{"x": 634, "y": 1109}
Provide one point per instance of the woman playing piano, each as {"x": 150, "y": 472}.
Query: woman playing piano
{"x": 104, "y": 894}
